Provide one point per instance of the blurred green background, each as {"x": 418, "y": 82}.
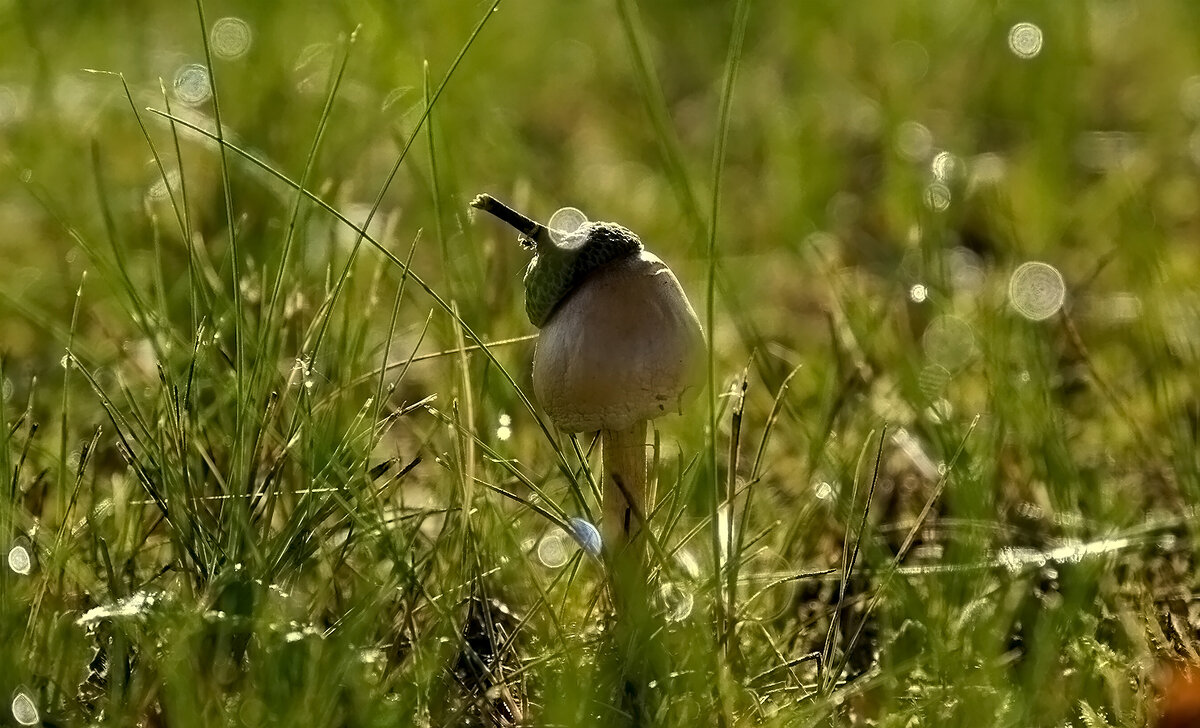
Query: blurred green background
{"x": 889, "y": 166}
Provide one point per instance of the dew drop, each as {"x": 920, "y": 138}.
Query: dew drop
{"x": 823, "y": 490}
{"x": 192, "y": 84}
{"x": 19, "y": 560}
{"x": 918, "y": 293}
{"x": 230, "y": 38}
{"x": 503, "y": 433}
{"x": 23, "y": 709}
{"x": 586, "y": 535}
{"x": 564, "y": 222}
{"x": 1025, "y": 40}
{"x": 1036, "y": 290}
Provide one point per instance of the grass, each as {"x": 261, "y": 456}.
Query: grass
{"x": 268, "y": 444}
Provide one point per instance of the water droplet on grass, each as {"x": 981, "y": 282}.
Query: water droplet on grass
{"x": 19, "y": 560}
{"x": 230, "y": 38}
{"x": 23, "y": 709}
{"x": 192, "y": 84}
{"x": 586, "y": 535}
{"x": 918, "y": 293}
{"x": 1025, "y": 40}
{"x": 823, "y": 490}
{"x": 1036, "y": 290}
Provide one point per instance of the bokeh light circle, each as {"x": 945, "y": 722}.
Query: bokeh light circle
{"x": 1036, "y": 290}
{"x": 231, "y": 38}
{"x": 193, "y": 85}
{"x": 1025, "y": 40}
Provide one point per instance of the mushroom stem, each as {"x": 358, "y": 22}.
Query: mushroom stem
{"x": 531, "y": 229}
{"x": 624, "y": 453}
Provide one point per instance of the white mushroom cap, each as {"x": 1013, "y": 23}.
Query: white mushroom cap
{"x": 624, "y": 346}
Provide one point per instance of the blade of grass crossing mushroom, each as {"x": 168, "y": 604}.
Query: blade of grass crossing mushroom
{"x": 733, "y": 60}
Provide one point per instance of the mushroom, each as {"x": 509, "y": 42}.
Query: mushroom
{"x": 620, "y": 345}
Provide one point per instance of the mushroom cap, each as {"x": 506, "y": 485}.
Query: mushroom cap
{"x": 558, "y": 266}
{"x": 623, "y": 346}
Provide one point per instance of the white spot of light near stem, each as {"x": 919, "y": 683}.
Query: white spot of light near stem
{"x": 504, "y": 431}
{"x": 918, "y": 293}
